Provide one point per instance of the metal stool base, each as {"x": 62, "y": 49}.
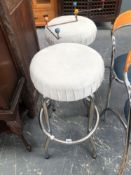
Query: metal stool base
{"x": 50, "y": 136}
{"x": 115, "y": 113}
{"x": 125, "y": 153}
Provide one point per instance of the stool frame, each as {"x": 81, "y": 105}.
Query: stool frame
{"x": 121, "y": 21}
{"x": 128, "y": 130}
{"x": 51, "y": 137}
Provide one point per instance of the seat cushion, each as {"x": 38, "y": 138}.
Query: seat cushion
{"x": 67, "y": 71}
{"x": 119, "y": 67}
{"x": 83, "y": 31}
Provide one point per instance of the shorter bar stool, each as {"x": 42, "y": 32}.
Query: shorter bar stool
{"x": 72, "y": 28}
{"x": 66, "y": 29}
{"x": 67, "y": 72}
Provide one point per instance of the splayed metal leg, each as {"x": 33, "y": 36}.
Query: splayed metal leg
{"x": 44, "y": 114}
{"x": 107, "y": 108}
{"x": 53, "y": 105}
{"x": 108, "y": 96}
{"x": 127, "y": 144}
{"x": 90, "y": 123}
{"x": 46, "y": 148}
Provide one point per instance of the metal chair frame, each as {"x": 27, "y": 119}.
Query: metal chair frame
{"x": 128, "y": 130}
{"x": 44, "y": 117}
{"x": 121, "y": 21}
{"x": 118, "y": 24}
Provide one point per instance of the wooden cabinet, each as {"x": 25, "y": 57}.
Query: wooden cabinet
{"x": 44, "y": 7}
{"x": 8, "y": 74}
{"x": 109, "y": 13}
{"x": 18, "y": 45}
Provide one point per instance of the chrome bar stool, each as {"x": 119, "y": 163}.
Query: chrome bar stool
{"x": 117, "y": 63}
{"x": 67, "y": 72}
{"x": 116, "y": 73}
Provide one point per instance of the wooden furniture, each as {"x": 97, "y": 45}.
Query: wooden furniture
{"x": 109, "y": 13}
{"x": 18, "y": 45}
{"x": 44, "y": 7}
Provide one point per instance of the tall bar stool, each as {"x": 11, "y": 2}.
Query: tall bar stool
{"x": 67, "y": 72}
{"x": 116, "y": 73}
{"x": 117, "y": 63}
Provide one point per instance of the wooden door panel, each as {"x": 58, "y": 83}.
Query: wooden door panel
{"x": 8, "y": 74}
{"x": 25, "y": 34}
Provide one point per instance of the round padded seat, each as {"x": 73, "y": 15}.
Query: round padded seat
{"x": 82, "y": 31}
{"x": 119, "y": 64}
{"x": 67, "y": 71}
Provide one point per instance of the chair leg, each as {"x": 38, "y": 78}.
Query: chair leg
{"x": 46, "y": 116}
{"x": 15, "y": 127}
{"x": 107, "y": 108}
{"x": 91, "y": 114}
{"x": 53, "y": 106}
{"x": 50, "y": 106}
{"x": 27, "y": 145}
{"x": 89, "y": 128}
{"x": 94, "y": 155}
{"x": 108, "y": 96}
{"x": 127, "y": 144}
{"x": 46, "y": 148}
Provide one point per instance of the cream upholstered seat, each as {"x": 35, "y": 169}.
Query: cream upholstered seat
{"x": 82, "y": 31}
{"x": 67, "y": 71}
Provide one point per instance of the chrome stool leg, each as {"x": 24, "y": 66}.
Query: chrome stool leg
{"x": 90, "y": 122}
{"x": 53, "y": 105}
{"x": 45, "y": 110}
{"x": 46, "y": 117}
{"x": 94, "y": 155}
{"x": 127, "y": 144}
{"x": 108, "y": 96}
{"x": 107, "y": 108}
{"x": 46, "y": 147}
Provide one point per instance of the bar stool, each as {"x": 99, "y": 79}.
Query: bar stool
{"x": 66, "y": 29}
{"x": 67, "y": 72}
{"x": 117, "y": 63}
{"x": 72, "y": 28}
